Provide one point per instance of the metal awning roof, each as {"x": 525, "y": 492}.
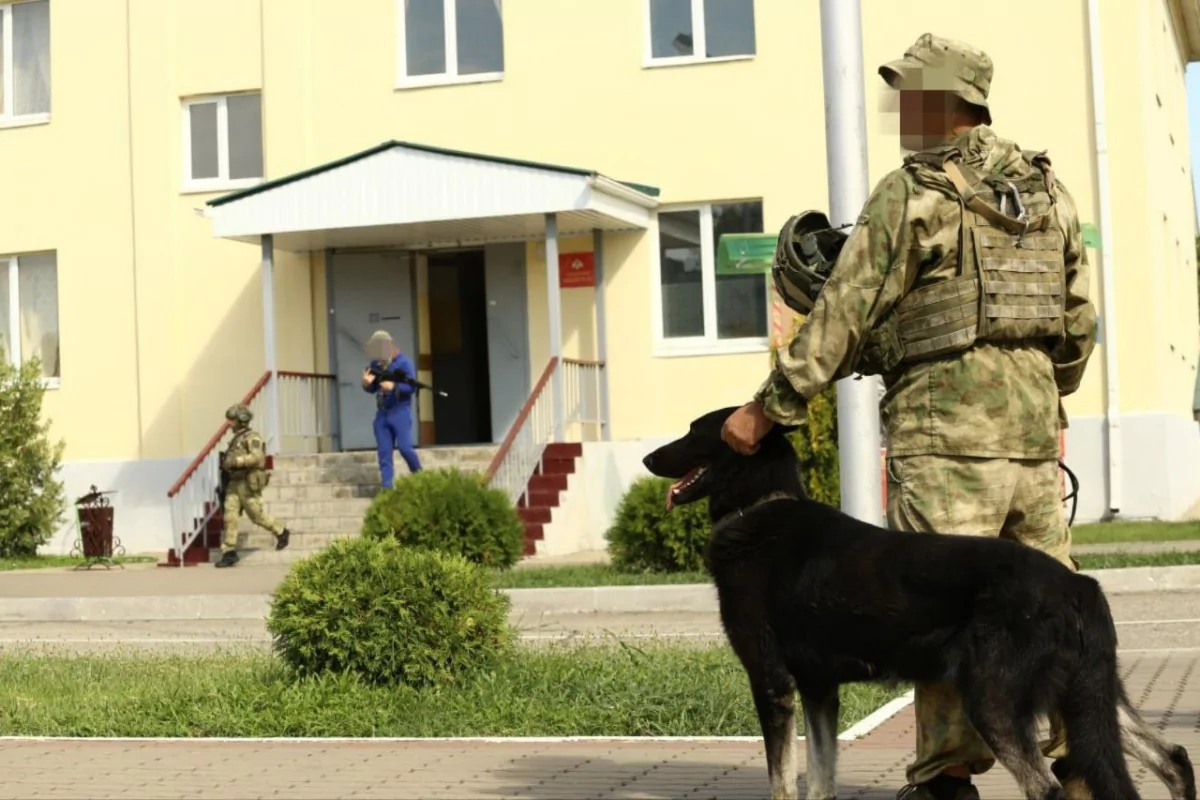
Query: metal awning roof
{"x": 416, "y": 196}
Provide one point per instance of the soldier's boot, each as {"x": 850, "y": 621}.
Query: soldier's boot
{"x": 282, "y": 540}
{"x": 228, "y": 559}
{"x": 943, "y": 787}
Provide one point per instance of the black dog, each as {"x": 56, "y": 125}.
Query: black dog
{"x": 811, "y": 598}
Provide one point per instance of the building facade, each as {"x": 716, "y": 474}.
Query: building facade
{"x": 132, "y": 135}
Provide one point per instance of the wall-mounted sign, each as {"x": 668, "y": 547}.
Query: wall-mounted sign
{"x": 576, "y": 270}
{"x": 746, "y": 253}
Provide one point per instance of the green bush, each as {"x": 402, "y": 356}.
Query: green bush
{"x": 450, "y": 511}
{"x": 816, "y": 443}
{"x": 389, "y": 614}
{"x": 645, "y": 537}
{"x": 816, "y": 446}
{"x": 31, "y": 499}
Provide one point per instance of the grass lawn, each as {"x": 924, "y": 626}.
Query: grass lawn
{"x": 1110, "y": 532}
{"x": 604, "y": 575}
{"x": 552, "y": 577}
{"x": 1175, "y": 558}
{"x": 45, "y": 562}
{"x": 588, "y": 691}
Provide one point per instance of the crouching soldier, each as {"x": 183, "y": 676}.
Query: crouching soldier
{"x": 244, "y": 473}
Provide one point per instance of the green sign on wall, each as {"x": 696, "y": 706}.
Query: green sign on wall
{"x": 1091, "y": 236}
{"x": 745, "y": 253}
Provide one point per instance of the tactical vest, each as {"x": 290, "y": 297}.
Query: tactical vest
{"x": 1010, "y": 282}
{"x": 256, "y": 478}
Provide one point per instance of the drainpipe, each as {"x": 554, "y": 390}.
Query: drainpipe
{"x": 1108, "y": 322}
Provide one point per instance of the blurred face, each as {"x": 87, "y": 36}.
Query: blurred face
{"x": 381, "y": 350}
{"x": 926, "y": 118}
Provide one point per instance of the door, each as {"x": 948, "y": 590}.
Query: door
{"x": 458, "y": 338}
{"x": 508, "y": 335}
{"x": 371, "y": 291}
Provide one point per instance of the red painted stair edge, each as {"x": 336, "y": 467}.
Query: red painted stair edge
{"x": 545, "y": 488}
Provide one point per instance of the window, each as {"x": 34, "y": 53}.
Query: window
{"x": 698, "y": 310}
{"x": 690, "y": 31}
{"x": 25, "y": 63}
{"x": 449, "y": 41}
{"x": 29, "y": 311}
{"x": 222, "y": 142}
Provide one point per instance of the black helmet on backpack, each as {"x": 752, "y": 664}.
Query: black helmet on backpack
{"x": 807, "y": 250}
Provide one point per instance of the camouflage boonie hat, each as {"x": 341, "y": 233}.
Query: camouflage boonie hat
{"x": 935, "y": 63}
{"x": 239, "y": 411}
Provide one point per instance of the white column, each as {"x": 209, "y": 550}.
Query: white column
{"x": 846, "y": 153}
{"x": 554, "y": 306}
{"x": 271, "y": 405}
{"x": 601, "y": 333}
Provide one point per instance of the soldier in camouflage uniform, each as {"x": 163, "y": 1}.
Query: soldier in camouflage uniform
{"x": 245, "y": 461}
{"x": 978, "y": 320}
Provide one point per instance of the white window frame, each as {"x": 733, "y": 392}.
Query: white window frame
{"x": 699, "y": 40}
{"x": 450, "y": 77}
{"x": 7, "y": 118}
{"x": 10, "y": 271}
{"x": 222, "y": 182}
{"x": 708, "y": 344}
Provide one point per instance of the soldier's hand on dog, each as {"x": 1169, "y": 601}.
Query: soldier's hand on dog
{"x": 745, "y": 428}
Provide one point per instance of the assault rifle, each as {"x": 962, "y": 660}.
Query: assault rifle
{"x": 400, "y": 376}
{"x": 223, "y": 485}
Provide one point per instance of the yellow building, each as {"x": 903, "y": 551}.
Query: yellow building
{"x": 150, "y": 149}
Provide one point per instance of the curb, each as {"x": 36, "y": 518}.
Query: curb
{"x": 698, "y": 598}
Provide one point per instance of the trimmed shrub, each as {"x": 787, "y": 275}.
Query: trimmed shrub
{"x": 645, "y": 537}
{"x": 31, "y": 499}
{"x": 816, "y": 445}
{"x": 816, "y": 442}
{"x": 389, "y": 614}
{"x": 450, "y": 511}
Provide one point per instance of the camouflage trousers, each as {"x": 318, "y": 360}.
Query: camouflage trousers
{"x": 238, "y": 498}
{"x": 1013, "y": 499}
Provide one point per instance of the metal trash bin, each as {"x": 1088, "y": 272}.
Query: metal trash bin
{"x": 95, "y": 516}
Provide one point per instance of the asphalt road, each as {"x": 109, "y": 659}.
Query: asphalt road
{"x": 1162, "y": 622}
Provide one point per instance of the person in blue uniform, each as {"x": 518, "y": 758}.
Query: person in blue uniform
{"x": 393, "y": 399}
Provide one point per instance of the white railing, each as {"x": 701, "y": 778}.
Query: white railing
{"x": 582, "y": 412}
{"x": 521, "y": 453}
{"x": 306, "y": 421}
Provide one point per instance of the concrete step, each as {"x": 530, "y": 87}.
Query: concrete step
{"x": 267, "y": 555}
{"x": 259, "y": 539}
{"x": 300, "y": 524}
{"x": 291, "y": 509}
{"x": 270, "y": 556}
{"x": 279, "y": 491}
{"x": 467, "y": 458}
{"x": 329, "y": 476}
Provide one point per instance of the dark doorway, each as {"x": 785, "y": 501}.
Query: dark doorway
{"x": 459, "y": 347}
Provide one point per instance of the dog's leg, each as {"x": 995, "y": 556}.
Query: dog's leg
{"x": 1011, "y": 736}
{"x": 1168, "y": 761}
{"x": 775, "y": 700}
{"x": 820, "y": 726}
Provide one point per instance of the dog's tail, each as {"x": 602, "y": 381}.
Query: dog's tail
{"x": 1089, "y": 707}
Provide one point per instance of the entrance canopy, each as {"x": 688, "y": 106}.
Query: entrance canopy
{"x": 414, "y": 196}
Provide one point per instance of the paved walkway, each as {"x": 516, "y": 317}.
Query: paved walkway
{"x": 1167, "y": 688}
